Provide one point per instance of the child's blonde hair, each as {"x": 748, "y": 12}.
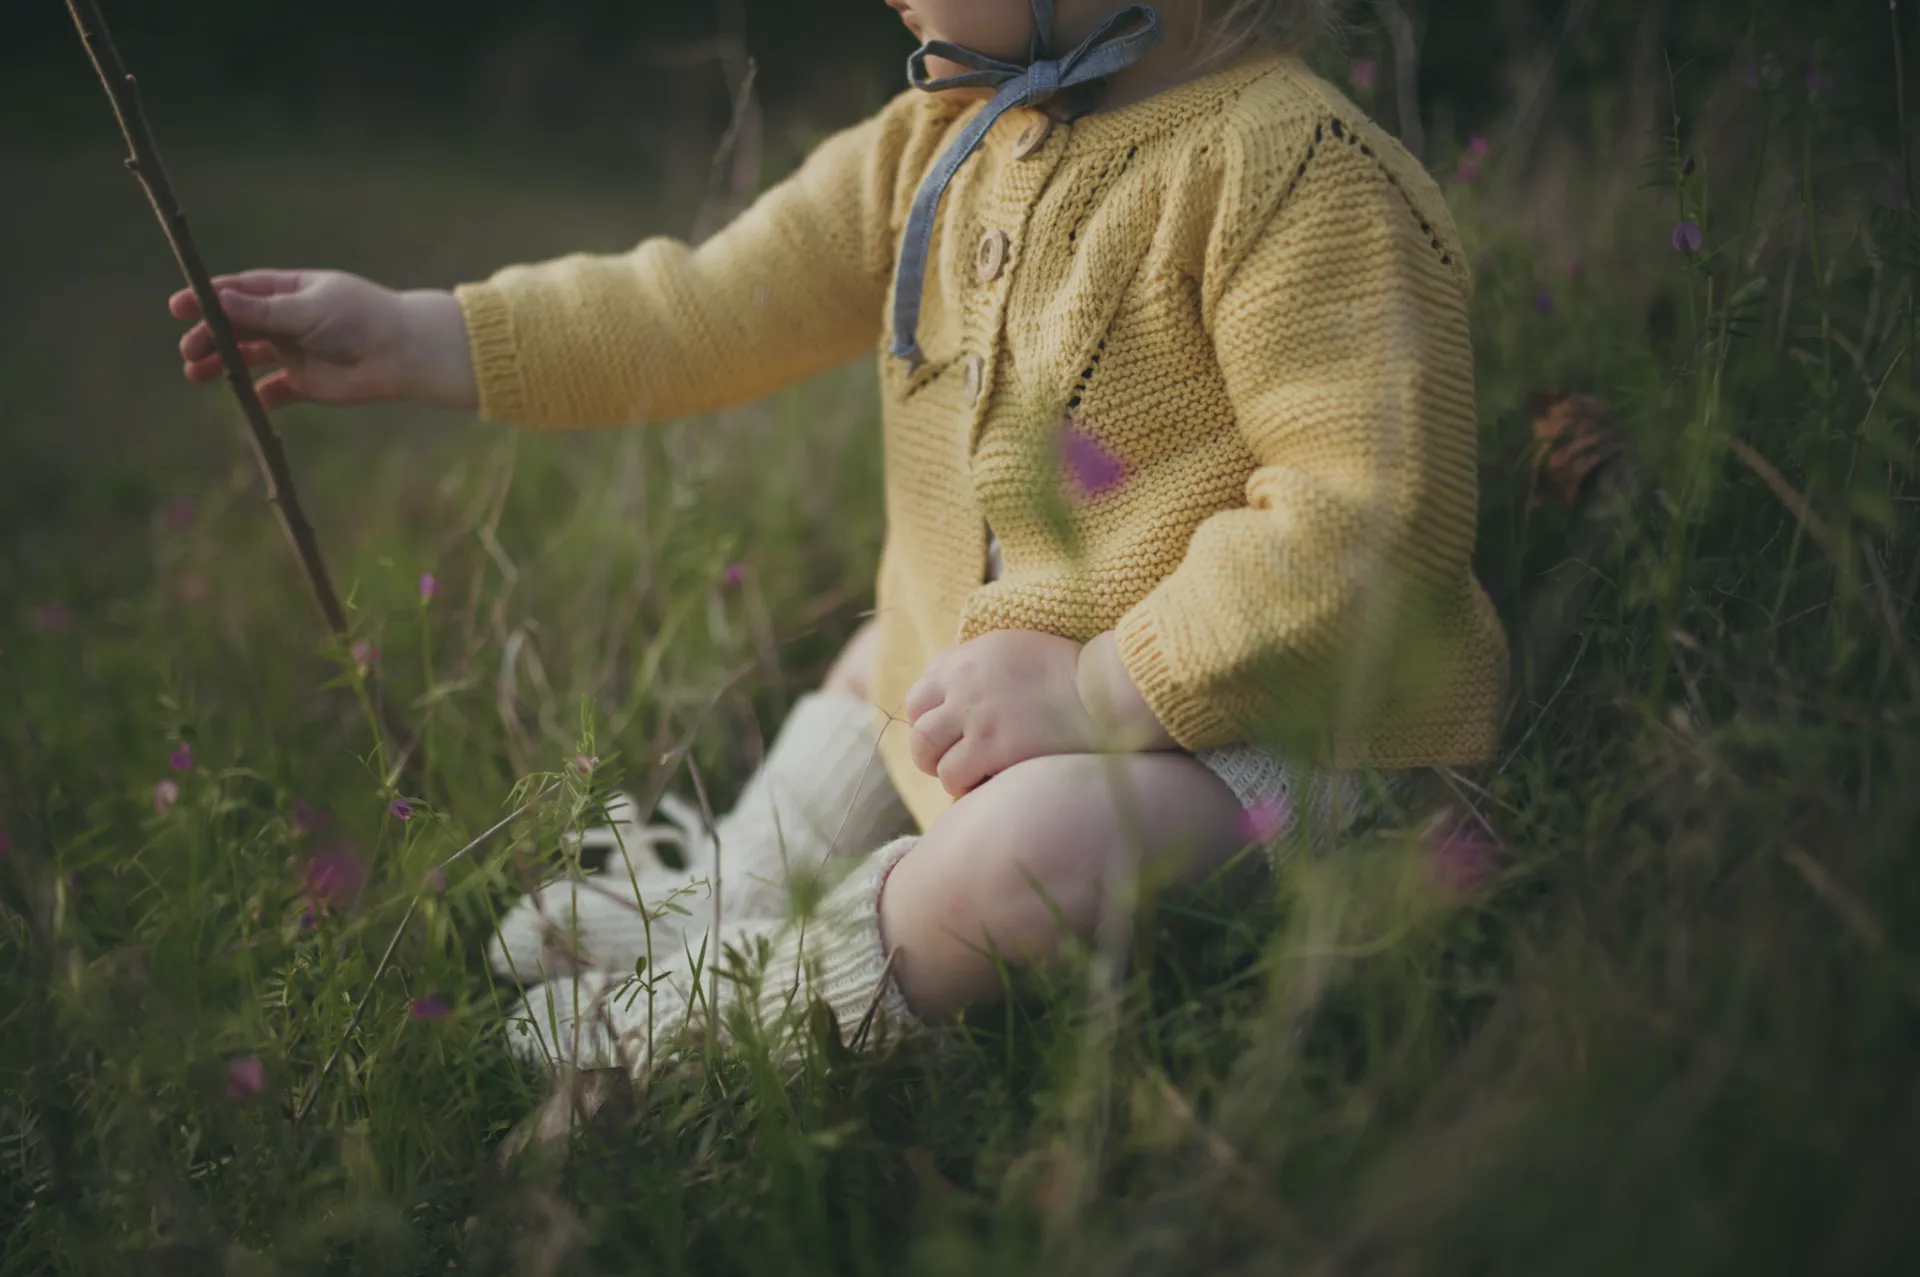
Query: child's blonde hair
{"x": 1231, "y": 27}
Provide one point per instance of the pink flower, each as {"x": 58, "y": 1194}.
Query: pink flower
{"x": 165, "y": 795}
{"x": 365, "y": 655}
{"x": 1090, "y": 467}
{"x": 1477, "y": 145}
{"x": 1687, "y": 237}
{"x": 334, "y": 877}
{"x": 305, "y": 818}
{"x": 430, "y": 1007}
{"x": 1266, "y": 820}
{"x": 1469, "y": 170}
{"x": 1361, "y": 73}
{"x": 51, "y": 618}
{"x": 429, "y": 586}
{"x": 434, "y": 880}
{"x": 1463, "y": 855}
{"x": 177, "y": 515}
{"x": 181, "y": 760}
{"x": 734, "y": 575}
{"x": 584, "y": 764}
{"x": 400, "y": 809}
{"x": 245, "y": 1077}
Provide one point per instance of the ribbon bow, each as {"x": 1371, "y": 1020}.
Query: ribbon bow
{"x": 1120, "y": 42}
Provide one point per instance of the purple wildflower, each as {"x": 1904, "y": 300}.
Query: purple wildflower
{"x": 400, "y": 809}
{"x": 733, "y": 576}
{"x": 306, "y": 818}
{"x": 1543, "y": 302}
{"x": 51, "y": 618}
{"x": 1361, "y": 73}
{"x": 1477, "y": 145}
{"x": 1463, "y": 855}
{"x": 177, "y": 514}
{"x": 1469, "y": 170}
{"x": 181, "y": 760}
{"x": 365, "y": 656}
{"x": 1266, "y": 820}
{"x": 165, "y": 795}
{"x": 1092, "y": 469}
{"x": 1687, "y": 237}
{"x": 1687, "y": 165}
{"x": 334, "y": 877}
{"x": 309, "y": 921}
{"x": 430, "y": 1007}
{"x": 429, "y": 586}
{"x": 245, "y": 1077}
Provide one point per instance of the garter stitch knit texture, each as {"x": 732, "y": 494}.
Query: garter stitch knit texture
{"x": 1249, "y": 296}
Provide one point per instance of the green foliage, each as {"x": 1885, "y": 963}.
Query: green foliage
{"x": 1675, "y": 1034}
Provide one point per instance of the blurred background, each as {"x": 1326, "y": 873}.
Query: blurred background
{"x": 427, "y": 141}
{"x": 1668, "y": 1026}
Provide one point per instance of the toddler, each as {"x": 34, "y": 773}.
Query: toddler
{"x": 1179, "y": 437}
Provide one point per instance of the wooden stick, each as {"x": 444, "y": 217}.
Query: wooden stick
{"x": 143, "y": 159}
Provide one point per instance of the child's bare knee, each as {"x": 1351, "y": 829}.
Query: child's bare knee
{"x": 1048, "y": 843}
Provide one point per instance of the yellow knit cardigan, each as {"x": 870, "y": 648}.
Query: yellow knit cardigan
{"x": 1239, "y": 290}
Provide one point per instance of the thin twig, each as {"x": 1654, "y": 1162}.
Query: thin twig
{"x": 380, "y": 968}
{"x": 1796, "y": 504}
{"x": 143, "y": 160}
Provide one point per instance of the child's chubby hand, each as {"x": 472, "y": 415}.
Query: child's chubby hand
{"x": 330, "y": 337}
{"x": 1011, "y": 695}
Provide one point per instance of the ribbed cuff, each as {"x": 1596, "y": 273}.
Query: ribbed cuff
{"x": 496, "y": 353}
{"x": 1192, "y": 723}
{"x": 844, "y": 956}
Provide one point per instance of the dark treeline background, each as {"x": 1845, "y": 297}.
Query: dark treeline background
{"x": 593, "y": 71}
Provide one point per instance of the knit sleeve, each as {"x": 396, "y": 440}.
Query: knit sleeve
{"x": 1342, "y": 337}
{"x": 796, "y": 284}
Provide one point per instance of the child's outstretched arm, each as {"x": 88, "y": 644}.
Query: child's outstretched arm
{"x": 330, "y": 337}
{"x": 795, "y": 285}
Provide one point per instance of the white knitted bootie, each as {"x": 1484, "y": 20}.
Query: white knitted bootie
{"x": 820, "y": 791}
{"x": 836, "y": 956}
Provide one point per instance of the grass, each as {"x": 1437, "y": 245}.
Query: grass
{"x": 1676, "y": 1034}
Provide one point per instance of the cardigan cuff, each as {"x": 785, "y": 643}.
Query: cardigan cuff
{"x": 496, "y": 353}
{"x": 1191, "y": 721}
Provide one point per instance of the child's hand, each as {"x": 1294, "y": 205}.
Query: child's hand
{"x": 998, "y": 700}
{"x": 335, "y": 338}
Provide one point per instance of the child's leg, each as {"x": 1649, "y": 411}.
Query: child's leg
{"x": 820, "y": 791}
{"x": 1050, "y": 847}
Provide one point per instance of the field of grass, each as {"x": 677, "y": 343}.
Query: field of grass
{"x": 1677, "y": 1031}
